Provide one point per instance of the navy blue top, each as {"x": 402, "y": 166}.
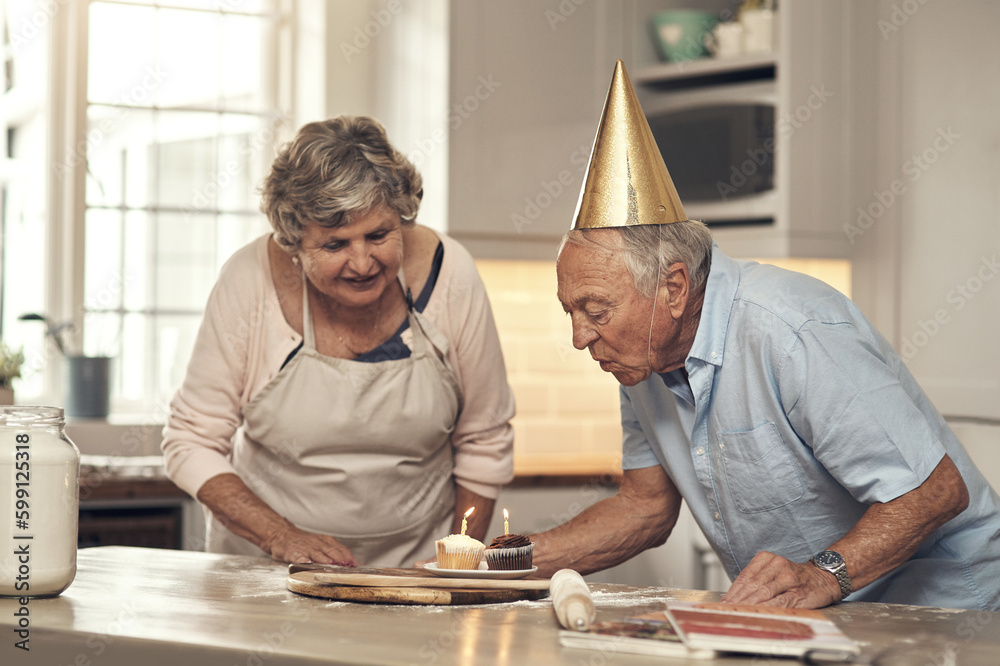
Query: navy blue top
{"x": 394, "y": 349}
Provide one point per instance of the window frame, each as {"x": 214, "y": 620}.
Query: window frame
{"x": 67, "y": 153}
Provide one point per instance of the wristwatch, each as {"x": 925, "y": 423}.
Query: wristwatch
{"x": 831, "y": 561}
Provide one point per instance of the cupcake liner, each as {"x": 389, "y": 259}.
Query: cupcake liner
{"x": 458, "y": 557}
{"x": 509, "y": 559}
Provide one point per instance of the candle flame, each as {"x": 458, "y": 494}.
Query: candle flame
{"x": 506, "y": 516}
{"x": 469, "y": 512}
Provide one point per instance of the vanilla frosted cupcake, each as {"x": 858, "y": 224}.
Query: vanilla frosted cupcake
{"x": 459, "y": 551}
{"x": 510, "y": 552}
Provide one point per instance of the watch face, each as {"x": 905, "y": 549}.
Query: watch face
{"x": 828, "y": 558}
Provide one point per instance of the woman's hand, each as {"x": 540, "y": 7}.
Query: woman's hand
{"x": 246, "y": 515}
{"x": 295, "y": 545}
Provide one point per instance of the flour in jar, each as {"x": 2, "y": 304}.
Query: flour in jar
{"x": 39, "y": 502}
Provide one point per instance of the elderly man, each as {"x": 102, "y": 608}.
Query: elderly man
{"x": 813, "y": 462}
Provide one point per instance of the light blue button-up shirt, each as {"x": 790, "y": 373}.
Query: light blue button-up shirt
{"x": 794, "y": 417}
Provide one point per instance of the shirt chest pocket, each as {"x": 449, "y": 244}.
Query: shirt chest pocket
{"x": 759, "y": 471}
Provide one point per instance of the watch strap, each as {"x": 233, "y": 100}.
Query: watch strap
{"x": 839, "y": 572}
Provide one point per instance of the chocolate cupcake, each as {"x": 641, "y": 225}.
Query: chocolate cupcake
{"x": 509, "y": 552}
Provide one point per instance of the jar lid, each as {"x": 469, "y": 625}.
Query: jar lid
{"x": 27, "y": 416}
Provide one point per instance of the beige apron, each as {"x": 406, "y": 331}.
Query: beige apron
{"x": 360, "y": 451}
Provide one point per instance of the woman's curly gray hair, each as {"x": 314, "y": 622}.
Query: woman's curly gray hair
{"x": 649, "y": 250}
{"x": 334, "y": 170}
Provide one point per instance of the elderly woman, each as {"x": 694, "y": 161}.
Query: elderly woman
{"x": 346, "y": 400}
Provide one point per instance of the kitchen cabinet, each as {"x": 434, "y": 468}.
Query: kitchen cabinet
{"x": 518, "y": 155}
{"x": 527, "y": 84}
{"x": 129, "y": 501}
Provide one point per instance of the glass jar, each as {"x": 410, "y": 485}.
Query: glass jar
{"x": 39, "y": 502}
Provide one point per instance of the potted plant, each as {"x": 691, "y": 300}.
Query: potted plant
{"x": 10, "y": 369}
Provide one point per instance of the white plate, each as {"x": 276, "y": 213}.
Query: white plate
{"x": 481, "y": 572}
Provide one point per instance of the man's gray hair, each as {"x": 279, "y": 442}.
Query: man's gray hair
{"x": 650, "y": 249}
{"x": 334, "y": 170}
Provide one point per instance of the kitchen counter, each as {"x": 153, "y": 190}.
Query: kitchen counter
{"x": 138, "y": 605}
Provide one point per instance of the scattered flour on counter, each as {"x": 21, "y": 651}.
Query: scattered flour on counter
{"x": 618, "y": 599}
{"x": 261, "y": 595}
{"x": 530, "y": 603}
{"x": 601, "y": 599}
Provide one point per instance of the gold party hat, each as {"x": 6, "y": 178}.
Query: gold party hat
{"x": 627, "y": 182}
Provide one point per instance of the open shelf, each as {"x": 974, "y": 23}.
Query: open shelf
{"x": 762, "y": 208}
{"x": 704, "y": 71}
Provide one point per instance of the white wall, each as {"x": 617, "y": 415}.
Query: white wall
{"x": 389, "y": 60}
{"x": 925, "y": 267}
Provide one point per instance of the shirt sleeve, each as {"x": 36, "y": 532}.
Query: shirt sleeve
{"x": 636, "y": 451}
{"x": 844, "y": 397}
{"x": 483, "y": 438}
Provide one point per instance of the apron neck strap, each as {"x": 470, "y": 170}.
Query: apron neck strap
{"x": 406, "y": 290}
{"x": 309, "y": 336}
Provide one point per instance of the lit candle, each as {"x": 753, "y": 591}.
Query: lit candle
{"x": 506, "y": 527}
{"x": 468, "y": 513}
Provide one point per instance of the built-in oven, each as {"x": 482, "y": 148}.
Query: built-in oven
{"x": 719, "y": 145}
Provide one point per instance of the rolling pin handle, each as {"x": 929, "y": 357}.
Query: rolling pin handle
{"x": 571, "y": 600}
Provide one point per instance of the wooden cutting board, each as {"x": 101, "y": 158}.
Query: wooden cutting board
{"x": 407, "y": 586}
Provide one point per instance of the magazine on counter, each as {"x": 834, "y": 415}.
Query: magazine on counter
{"x": 650, "y": 634}
{"x": 703, "y": 630}
{"x": 760, "y": 630}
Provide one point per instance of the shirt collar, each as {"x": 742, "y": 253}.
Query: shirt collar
{"x": 720, "y": 292}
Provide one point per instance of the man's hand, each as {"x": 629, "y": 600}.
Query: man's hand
{"x": 771, "y": 580}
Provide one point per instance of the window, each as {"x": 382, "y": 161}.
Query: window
{"x": 23, "y": 233}
{"x": 175, "y": 132}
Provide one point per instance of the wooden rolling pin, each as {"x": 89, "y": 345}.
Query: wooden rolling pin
{"x": 571, "y": 600}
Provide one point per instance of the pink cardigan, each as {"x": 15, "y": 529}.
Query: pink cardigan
{"x": 244, "y": 339}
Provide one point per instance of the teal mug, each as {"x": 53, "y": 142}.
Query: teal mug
{"x": 679, "y": 34}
